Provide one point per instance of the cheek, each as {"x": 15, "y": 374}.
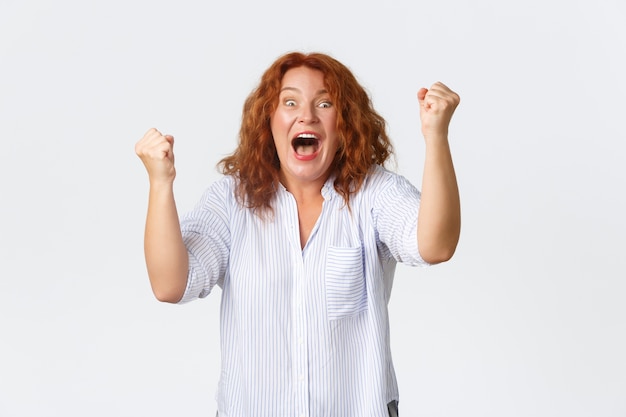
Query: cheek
{"x": 278, "y": 123}
{"x": 333, "y": 131}
{"x": 331, "y": 124}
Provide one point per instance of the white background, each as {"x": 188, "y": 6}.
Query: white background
{"x": 528, "y": 319}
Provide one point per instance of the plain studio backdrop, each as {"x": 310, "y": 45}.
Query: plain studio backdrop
{"x": 528, "y": 319}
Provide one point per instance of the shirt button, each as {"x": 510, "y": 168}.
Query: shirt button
{"x": 301, "y": 377}
{"x": 300, "y": 341}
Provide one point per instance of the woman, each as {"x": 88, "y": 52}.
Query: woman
{"x": 303, "y": 234}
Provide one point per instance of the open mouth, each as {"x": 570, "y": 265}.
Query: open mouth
{"x": 305, "y": 144}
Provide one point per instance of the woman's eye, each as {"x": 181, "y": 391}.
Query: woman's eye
{"x": 290, "y": 102}
{"x": 325, "y": 104}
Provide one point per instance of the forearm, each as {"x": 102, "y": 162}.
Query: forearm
{"x": 166, "y": 256}
{"x": 439, "y": 222}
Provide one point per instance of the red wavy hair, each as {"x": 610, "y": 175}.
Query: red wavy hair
{"x": 362, "y": 132}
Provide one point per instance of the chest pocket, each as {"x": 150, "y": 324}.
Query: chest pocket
{"x": 346, "y": 293}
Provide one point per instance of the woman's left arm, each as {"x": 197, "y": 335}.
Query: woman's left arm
{"x": 439, "y": 222}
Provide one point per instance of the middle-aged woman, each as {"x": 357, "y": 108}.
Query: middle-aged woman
{"x": 302, "y": 234}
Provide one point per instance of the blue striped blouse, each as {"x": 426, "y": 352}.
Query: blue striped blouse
{"x": 304, "y": 332}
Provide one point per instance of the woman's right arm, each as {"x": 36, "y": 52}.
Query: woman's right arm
{"x": 166, "y": 255}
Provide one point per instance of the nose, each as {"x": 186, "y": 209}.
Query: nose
{"x": 307, "y": 114}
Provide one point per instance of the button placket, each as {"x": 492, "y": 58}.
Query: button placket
{"x": 300, "y": 351}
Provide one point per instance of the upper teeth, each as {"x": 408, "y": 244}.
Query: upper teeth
{"x": 307, "y": 136}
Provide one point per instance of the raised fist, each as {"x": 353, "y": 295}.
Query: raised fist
{"x": 157, "y": 154}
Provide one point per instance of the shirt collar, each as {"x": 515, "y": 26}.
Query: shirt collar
{"x": 328, "y": 190}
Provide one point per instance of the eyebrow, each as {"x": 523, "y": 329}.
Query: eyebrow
{"x": 318, "y": 93}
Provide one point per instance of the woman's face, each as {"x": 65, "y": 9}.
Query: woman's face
{"x": 304, "y": 127}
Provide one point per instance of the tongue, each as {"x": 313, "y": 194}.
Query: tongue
{"x": 306, "y": 149}
{"x": 305, "y": 146}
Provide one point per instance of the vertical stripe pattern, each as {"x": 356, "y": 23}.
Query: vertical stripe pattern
{"x": 304, "y": 332}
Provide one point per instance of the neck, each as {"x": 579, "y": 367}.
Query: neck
{"x": 304, "y": 191}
